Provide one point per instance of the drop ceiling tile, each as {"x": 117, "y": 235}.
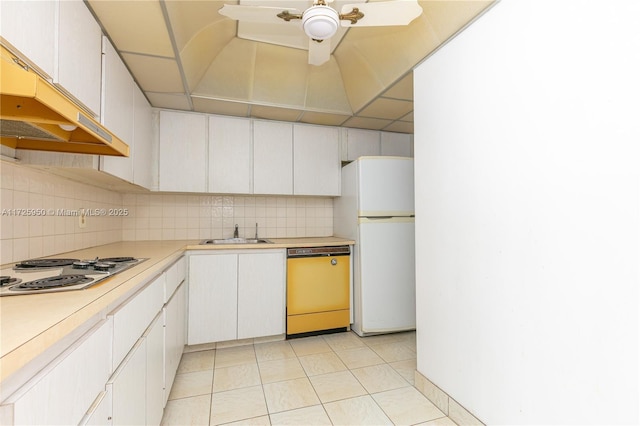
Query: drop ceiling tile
{"x": 448, "y": 17}
{"x": 280, "y": 75}
{"x": 358, "y": 76}
{"x": 198, "y": 54}
{"x": 323, "y": 118}
{"x": 400, "y": 127}
{"x": 408, "y": 117}
{"x": 135, "y": 26}
{"x": 273, "y": 113}
{"x": 325, "y": 90}
{"x": 403, "y": 89}
{"x": 146, "y": 69}
{"x": 191, "y": 19}
{"x": 366, "y": 123}
{"x": 215, "y": 106}
{"x": 169, "y": 100}
{"x": 230, "y": 75}
{"x": 391, "y": 109}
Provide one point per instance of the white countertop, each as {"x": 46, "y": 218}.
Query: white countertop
{"x": 33, "y": 327}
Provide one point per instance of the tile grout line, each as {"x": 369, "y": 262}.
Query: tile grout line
{"x": 333, "y": 349}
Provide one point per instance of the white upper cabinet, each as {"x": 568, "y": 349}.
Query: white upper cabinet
{"x": 316, "y": 160}
{"x": 396, "y": 144}
{"x": 183, "y": 152}
{"x": 272, "y": 158}
{"x": 358, "y": 143}
{"x": 117, "y": 95}
{"x": 30, "y": 27}
{"x": 215, "y": 154}
{"x": 142, "y": 140}
{"x": 230, "y": 162}
{"x": 62, "y": 40}
{"x": 79, "y": 54}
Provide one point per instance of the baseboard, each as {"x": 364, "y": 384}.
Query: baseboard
{"x": 444, "y": 402}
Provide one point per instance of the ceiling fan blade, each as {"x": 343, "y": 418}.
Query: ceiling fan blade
{"x": 319, "y": 53}
{"x": 384, "y": 13}
{"x": 256, "y": 13}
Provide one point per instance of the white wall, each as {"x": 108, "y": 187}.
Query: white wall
{"x": 527, "y": 158}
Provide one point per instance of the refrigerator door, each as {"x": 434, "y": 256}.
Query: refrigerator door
{"x": 385, "y": 286}
{"x": 385, "y": 186}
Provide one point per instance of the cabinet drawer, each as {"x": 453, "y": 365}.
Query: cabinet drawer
{"x": 133, "y": 317}
{"x": 63, "y": 392}
{"x": 175, "y": 275}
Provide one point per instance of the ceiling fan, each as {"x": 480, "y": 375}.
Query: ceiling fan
{"x": 320, "y": 21}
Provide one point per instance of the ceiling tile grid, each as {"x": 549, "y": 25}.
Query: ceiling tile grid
{"x": 185, "y": 55}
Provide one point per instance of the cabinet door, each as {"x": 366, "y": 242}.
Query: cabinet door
{"x": 316, "y": 160}
{"x": 117, "y": 94}
{"x": 396, "y": 144}
{"x": 230, "y": 163}
{"x": 183, "y": 152}
{"x": 30, "y": 27}
{"x": 127, "y": 386}
{"x": 213, "y": 297}
{"x": 361, "y": 143}
{"x": 174, "y": 277}
{"x": 272, "y": 158}
{"x": 99, "y": 413}
{"x": 133, "y": 317}
{"x": 80, "y": 54}
{"x": 261, "y": 294}
{"x": 117, "y": 110}
{"x": 142, "y": 154}
{"x": 63, "y": 392}
{"x": 174, "y": 336}
{"x": 154, "y": 337}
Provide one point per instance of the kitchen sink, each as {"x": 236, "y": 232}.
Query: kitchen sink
{"x": 237, "y": 241}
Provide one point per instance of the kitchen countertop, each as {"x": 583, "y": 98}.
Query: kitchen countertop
{"x": 37, "y": 327}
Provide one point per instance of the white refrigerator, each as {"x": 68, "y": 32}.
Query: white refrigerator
{"x": 376, "y": 209}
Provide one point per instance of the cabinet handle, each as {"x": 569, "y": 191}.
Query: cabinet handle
{"x": 334, "y": 262}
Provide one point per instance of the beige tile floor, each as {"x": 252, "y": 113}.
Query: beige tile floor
{"x": 339, "y": 379}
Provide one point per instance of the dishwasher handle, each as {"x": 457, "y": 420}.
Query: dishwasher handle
{"x": 318, "y": 251}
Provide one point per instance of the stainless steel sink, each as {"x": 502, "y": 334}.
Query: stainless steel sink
{"x": 237, "y": 241}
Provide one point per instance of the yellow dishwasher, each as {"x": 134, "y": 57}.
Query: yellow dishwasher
{"x": 317, "y": 289}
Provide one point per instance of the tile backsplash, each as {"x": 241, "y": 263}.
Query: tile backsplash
{"x": 40, "y": 215}
{"x": 181, "y": 216}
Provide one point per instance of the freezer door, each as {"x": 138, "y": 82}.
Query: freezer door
{"x": 385, "y": 186}
{"x": 386, "y": 269}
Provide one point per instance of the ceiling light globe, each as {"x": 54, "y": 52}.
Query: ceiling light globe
{"x": 320, "y": 22}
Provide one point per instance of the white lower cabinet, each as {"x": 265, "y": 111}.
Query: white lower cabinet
{"x": 64, "y": 390}
{"x": 213, "y": 298}
{"x": 261, "y": 294}
{"x": 175, "y": 320}
{"x": 133, "y": 317}
{"x": 127, "y": 386}
{"x": 236, "y": 295}
{"x": 119, "y": 372}
{"x": 99, "y": 413}
{"x": 154, "y": 337}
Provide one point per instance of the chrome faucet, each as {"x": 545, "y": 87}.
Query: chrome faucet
{"x": 235, "y": 231}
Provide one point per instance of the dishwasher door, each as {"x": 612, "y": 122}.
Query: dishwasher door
{"x": 317, "y": 291}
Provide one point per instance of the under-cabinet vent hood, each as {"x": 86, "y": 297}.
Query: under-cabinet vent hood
{"x": 35, "y": 115}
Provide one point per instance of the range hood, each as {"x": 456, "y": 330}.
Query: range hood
{"x": 35, "y": 115}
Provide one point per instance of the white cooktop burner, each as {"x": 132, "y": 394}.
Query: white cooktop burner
{"x": 54, "y": 275}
